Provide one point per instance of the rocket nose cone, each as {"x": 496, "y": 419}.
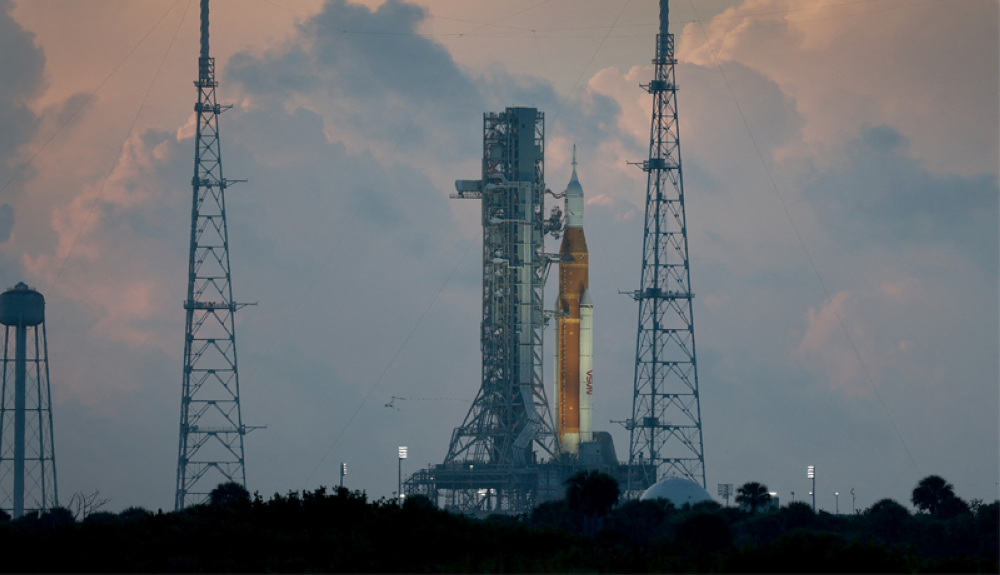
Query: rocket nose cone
{"x": 585, "y": 300}
{"x": 574, "y": 202}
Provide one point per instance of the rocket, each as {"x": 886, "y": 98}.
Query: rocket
{"x": 574, "y": 329}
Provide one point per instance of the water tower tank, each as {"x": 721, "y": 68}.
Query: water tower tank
{"x": 27, "y": 463}
{"x": 21, "y": 305}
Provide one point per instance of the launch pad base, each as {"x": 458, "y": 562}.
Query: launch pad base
{"x": 478, "y": 488}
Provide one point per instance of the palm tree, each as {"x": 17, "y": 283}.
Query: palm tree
{"x": 931, "y": 493}
{"x": 752, "y": 495}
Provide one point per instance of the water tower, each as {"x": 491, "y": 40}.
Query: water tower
{"x": 27, "y": 461}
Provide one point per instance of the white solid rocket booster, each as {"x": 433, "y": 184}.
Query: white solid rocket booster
{"x": 586, "y": 367}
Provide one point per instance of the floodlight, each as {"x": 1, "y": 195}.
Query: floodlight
{"x": 810, "y": 472}
{"x": 402, "y": 452}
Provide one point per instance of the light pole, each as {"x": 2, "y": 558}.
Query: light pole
{"x": 793, "y": 496}
{"x": 811, "y": 474}
{"x": 836, "y": 496}
{"x": 853, "y": 510}
{"x": 343, "y": 472}
{"x": 725, "y": 490}
{"x": 402, "y": 456}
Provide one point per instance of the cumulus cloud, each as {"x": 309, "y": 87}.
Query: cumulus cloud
{"x": 907, "y": 65}
{"x": 825, "y": 351}
{"x": 6, "y": 221}
{"x": 344, "y": 235}
{"x": 881, "y": 194}
{"x": 22, "y": 69}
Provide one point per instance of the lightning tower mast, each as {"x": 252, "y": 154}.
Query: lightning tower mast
{"x": 665, "y": 429}
{"x": 211, "y": 426}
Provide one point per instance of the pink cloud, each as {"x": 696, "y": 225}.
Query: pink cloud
{"x": 601, "y": 200}
{"x": 825, "y": 351}
{"x": 93, "y": 261}
{"x": 851, "y": 65}
{"x": 899, "y": 291}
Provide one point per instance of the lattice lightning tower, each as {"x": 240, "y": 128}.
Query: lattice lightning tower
{"x": 211, "y": 428}
{"x": 665, "y": 429}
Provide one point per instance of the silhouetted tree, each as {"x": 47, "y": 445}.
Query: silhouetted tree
{"x": 638, "y": 521}
{"x": 703, "y": 532}
{"x": 752, "y": 495}
{"x": 101, "y": 518}
{"x": 931, "y": 492}
{"x": 83, "y": 504}
{"x": 592, "y": 492}
{"x": 56, "y": 517}
{"x": 797, "y": 515}
{"x": 887, "y": 516}
{"x": 134, "y": 513}
{"x": 229, "y": 494}
{"x": 418, "y": 501}
{"x": 953, "y": 507}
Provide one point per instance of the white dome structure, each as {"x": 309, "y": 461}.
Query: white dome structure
{"x": 677, "y": 490}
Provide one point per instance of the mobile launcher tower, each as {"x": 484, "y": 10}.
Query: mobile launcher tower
{"x": 507, "y": 456}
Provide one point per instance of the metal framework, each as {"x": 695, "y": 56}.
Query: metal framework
{"x": 665, "y": 429}
{"x": 510, "y": 414}
{"x": 27, "y": 457}
{"x": 211, "y": 425}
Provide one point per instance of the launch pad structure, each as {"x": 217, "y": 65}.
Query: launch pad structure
{"x": 507, "y": 456}
{"x": 491, "y": 463}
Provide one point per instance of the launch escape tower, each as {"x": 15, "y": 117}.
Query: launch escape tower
{"x": 665, "y": 428}
{"x": 492, "y": 454}
{"x": 211, "y": 426}
{"x": 27, "y": 460}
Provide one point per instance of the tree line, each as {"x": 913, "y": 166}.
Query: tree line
{"x": 589, "y": 530}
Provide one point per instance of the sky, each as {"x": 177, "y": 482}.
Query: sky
{"x": 841, "y": 166}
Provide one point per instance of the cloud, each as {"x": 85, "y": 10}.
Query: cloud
{"x": 378, "y": 81}
{"x": 345, "y": 237}
{"x": 901, "y": 290}
{"x": 882, "y": 195}
{"x": 21, "y": 68}
{"x": 22, "y": 72}
{"x": 601, "y": 199}
{"x": 824, "y": 351}
{"x": 847, "y": 66}
{"x": 6, "y": 221}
